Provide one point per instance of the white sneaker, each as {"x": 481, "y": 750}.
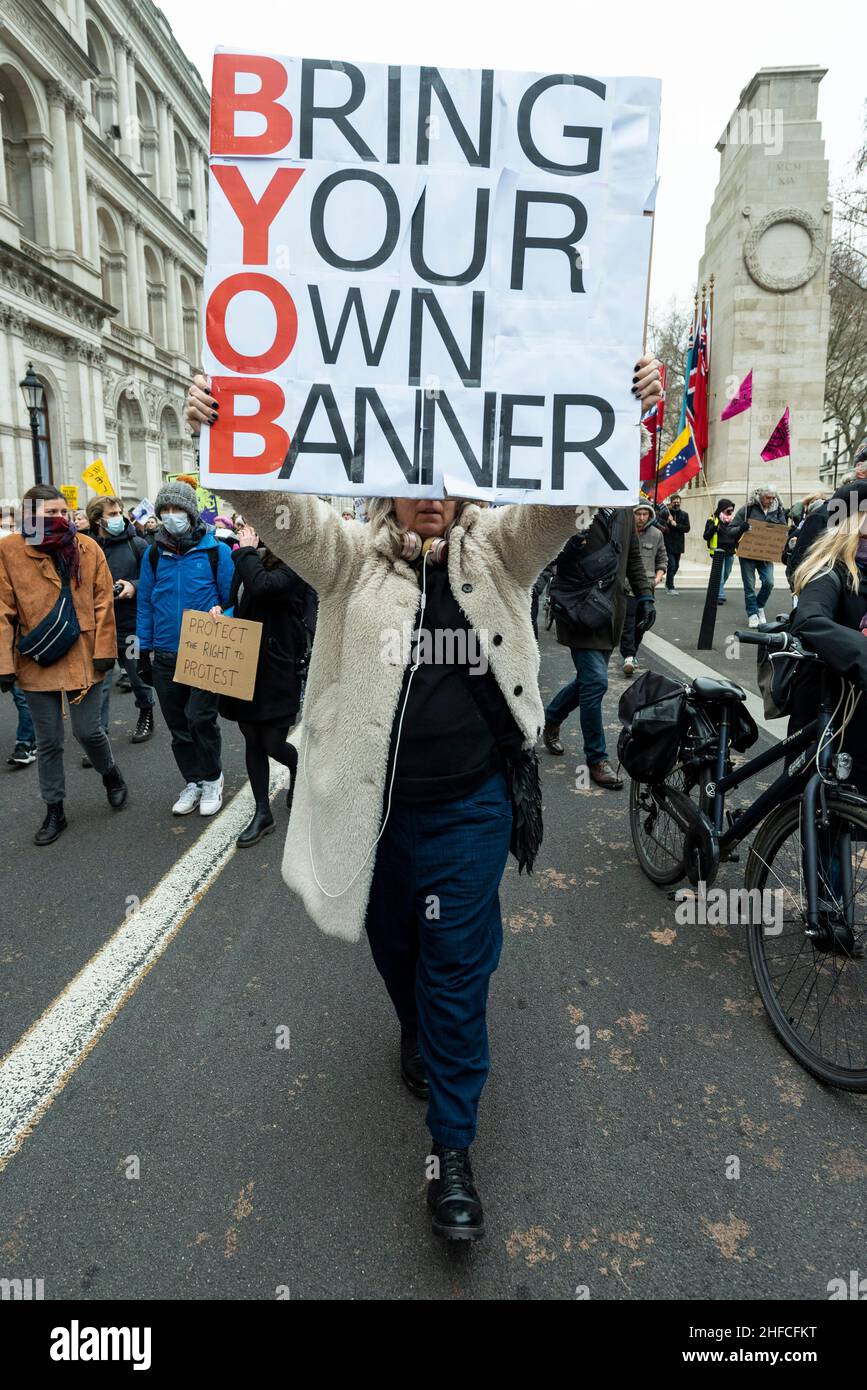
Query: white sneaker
{"x": 762, "y": 618}
{"x": 188, "y": 799}
{"x": 212, "y": 797}
{"x": 630, "y": 666}
{"x": 754, "y": 620}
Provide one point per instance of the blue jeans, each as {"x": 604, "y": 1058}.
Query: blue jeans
{"x": 728, "y": 562}
{"x": 765, "y": 569}
{"x": 143, "y": 694}
{"x": 26, "y": 732}
{"x": 585, "y": 694}
{"x": 435, "y": 932}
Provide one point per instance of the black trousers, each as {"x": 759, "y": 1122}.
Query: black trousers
{"x": 628, "y": 644}
{"x": 261, "y": 742}
{"x": 673, "y": 567}
{"x": 191, "y": 719}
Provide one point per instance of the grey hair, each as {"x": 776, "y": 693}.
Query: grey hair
{"x": 381, "y": 513}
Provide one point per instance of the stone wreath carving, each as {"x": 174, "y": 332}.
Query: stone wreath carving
{"x": 781, "y": 283}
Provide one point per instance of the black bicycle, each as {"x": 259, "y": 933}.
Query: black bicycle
{"x": 806, "y": 872}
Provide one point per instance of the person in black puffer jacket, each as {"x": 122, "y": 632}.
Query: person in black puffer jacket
{"x": 123, "y": 549}
{"x": 722, "y": 532}
{"x": 267, "y": 591}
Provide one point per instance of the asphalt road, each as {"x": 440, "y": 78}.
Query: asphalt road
{"x": 262, "y": 1167}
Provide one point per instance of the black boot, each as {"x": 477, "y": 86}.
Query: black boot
{"x": 115, "y": 787}
{"x": 551, "y": 739}
{"x": 290, "y": 791}
{"x": 261, "y": 824}
{"x": 145, "y": 727}
{"x": 412, "y": 1072}
{"x": 454, "y": 1203}
{"x": 52, "y": 826}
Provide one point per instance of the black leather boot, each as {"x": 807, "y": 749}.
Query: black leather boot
{"x": 145, "y": 727}
{"x": 53, "y": 825}
{"x": 453, "y": 1202}
{"x": 412, "y": 1072}
{"x": 261, "y": 824}
{"x": 115, "y": 787}
{"x": 551, "y": 739}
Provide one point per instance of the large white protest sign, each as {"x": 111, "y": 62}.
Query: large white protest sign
{"x": 426, "y": 281}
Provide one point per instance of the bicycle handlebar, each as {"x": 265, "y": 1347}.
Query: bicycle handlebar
{"x": 778, "y": 640}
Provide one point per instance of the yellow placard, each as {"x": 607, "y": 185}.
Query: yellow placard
{"x": 96, "y": 476}
{"x": 71, "y": 495}
{"x": 218, "y": 654}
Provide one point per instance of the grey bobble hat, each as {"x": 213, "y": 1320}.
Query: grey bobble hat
{"x": 178, "y": 495}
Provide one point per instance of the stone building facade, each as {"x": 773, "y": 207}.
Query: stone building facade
{"x": 103, "y": 215}
{"x": 767, "y": 246}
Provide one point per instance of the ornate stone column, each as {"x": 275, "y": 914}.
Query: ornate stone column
{"x": 173, "y": 168}
{"x": 134, "y": 293}
{"x": 135, "y": 128}
{"x": 65, "y": 224}
{"x": 123, "y": 111}
{"x": 200, "y": 181}
{"x": 165, "y": 187}
{"x": 173, "y": 310}
{"x": 4, "y": 191}
{"x": 89, "y": 247}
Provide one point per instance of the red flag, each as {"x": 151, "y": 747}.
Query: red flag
{"x": 698, "y": 411}
{"x": 778, "y": 444}
{"x": 743, "y": 400}
{"x": 653, "y": 419}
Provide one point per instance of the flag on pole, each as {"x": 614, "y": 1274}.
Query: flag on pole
{"x": 696, "y": 405}
{"x": 778, "y": 445}
{"x": 689, "y": 369}
{"x": 743, "y": 400}
{"x": 652, "y": 419}
{"x": 679, "y": 464}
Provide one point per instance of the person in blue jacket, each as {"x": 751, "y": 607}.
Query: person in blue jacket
{"x": 185, "y": 567}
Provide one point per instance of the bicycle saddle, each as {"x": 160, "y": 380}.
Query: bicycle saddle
{"x": 721, "y": 692}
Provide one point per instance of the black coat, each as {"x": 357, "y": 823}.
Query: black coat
{"x": 629, "y": 566}
{"x": 827, "y": 619}
{"x": 123, "y": 556}
{"x": 817, "y": 522}
{"x": 275, "y": 598}
{"x": 674, "y": 536}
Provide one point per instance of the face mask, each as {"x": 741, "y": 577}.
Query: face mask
{"x": 115, "y": 525}
{"x": 176, "y": 523}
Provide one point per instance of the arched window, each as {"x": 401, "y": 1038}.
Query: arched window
{"x": 18, "y": 123}
{"x": 102, "y": 88}
{"x": 192, "y": 351}
{"x": 111, "y": 258}
{"x": 182, "y": 165}
{"x": 43, "y": 435}
{"x": 148, "y": 133}
{"x": 156, "y": 295}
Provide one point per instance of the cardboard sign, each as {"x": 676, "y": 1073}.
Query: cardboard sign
{"x": 426, "y": 281}
{"x": 71, "y": 495}
{"x": 218, "y": 654}
{"x": 764, "y": 541}
{"x": 96, "y": 477}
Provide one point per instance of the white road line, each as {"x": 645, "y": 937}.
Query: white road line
{"x": 38, "y": 1066}
{"x": 690, "y": 667}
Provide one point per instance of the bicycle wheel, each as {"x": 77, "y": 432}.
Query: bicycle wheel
{"x": 658, "y": 840}
{"x": 814, "y": 990}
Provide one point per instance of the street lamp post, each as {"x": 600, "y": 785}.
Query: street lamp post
{"x": 34, "y": 396}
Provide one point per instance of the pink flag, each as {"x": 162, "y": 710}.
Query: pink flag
{"x": 778, "y": 444}
{"x": 743, "y": 400}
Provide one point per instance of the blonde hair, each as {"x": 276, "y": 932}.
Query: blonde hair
{"x": 381, "y": 513}
{"x": 838, "y": 544}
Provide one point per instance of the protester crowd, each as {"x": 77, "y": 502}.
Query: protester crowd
{"x": 408, "y": 782}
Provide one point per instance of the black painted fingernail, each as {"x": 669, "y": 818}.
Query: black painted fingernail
{"x": 635, "y": 378}
{"x": 213, "y": 416}
{"x": 635, "y": 391}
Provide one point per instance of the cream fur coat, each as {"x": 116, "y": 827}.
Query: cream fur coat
{"x": 356, "y": 671}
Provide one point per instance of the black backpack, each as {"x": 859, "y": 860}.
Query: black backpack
{"x": 586, "y": 599}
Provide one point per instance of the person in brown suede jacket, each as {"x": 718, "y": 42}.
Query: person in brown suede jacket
{"x": 36, "y": 565}
{"x": 611, "y": 546}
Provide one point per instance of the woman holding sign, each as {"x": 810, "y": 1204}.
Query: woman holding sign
{"x": 422, "y": 693}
